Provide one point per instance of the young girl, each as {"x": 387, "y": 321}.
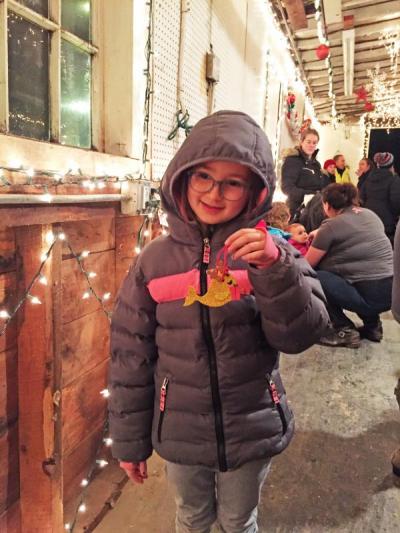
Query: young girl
{"x": 197, "y": 328}
{"x": 299, "y": 237}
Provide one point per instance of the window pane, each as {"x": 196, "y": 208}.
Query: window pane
{"x": 75, "y": 96}
{"x": 75, "y": 17}
{"x": 28, "y": 75}
{"x": 40, "y": 6}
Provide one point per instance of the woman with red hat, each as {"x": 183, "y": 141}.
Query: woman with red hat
{"x": 329, "y": 171}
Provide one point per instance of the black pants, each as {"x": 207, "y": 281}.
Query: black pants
{"x": 366, "y": 298}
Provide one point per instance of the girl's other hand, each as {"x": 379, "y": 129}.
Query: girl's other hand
{"x": 255, "y": 246}
{"x": 137, "y": 472}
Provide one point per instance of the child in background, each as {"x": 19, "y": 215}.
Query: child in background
{"x": 198, "y": 380}
{"x": 299, "y": 238}
{"x": 277, "y": 219}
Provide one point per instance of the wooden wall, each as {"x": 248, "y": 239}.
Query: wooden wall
{"x": 80, "y": 341}
{"x": 9, "y": 465}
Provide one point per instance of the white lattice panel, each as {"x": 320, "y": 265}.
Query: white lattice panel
{"x": 166, "y": 51}
{"x": 196, "y": 44}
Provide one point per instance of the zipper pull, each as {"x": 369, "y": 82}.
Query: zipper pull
{"x": 273, "y": 391}
{"x": 163, "y": 395}
{"x": 206, "y": 251}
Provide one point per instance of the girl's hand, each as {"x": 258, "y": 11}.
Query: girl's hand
{"x": 137, "y": 472}
{"x": 312, "y": 235}
{"x": 255, "y": 246}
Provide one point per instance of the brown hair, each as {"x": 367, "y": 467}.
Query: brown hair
{"x": 336, "y": 157}
{"x": 278, "y": 216}
{"x": 309, "y": 131}
{"x": 370, "y": 163}
{"x": 340, "y": 195}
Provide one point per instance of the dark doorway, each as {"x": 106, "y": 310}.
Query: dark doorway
{"x": 382, "y": 141}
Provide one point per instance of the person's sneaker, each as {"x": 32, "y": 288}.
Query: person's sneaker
{"x": 346, "y": 337}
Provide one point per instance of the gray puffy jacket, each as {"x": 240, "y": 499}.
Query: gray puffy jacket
{"x": 201, "y": 385}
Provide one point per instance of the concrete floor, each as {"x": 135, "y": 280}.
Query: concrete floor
{"x": 336, "y": 474}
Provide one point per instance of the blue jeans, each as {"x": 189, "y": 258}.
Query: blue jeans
{"x": 203, "y": 496}
{"x": 365, "y": 298}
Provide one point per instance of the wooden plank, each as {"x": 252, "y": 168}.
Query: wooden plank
{"x": 296, "y": 13}
{"x": 7, "y": 250}
{"x": 83, "y": 407}
{"x": 9, "y": 472}
{"x": 94, "y": 235}
{"x": 26, "y": 216}
{"x": 85, "y": 344}
{"x": 8, "y": 389}
{"x": 76, "y": 465}
{"x": 8, "y": 299}
{"x": 10, "y": 520}
{"x": 126, "y": 233}
{"x": 40, "y": 468}
{"x": 75, "y": 285}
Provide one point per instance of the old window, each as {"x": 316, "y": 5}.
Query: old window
{"x": 48, "y": 70}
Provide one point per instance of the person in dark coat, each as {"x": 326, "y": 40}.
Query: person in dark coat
{"x": 194, "y": 370}
{"x": 301, "y": 172}
{"x": 380, "y": 192}
{"x": 365, "y": 166}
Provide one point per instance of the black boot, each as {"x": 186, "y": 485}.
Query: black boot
{"x": 372, "y": 332}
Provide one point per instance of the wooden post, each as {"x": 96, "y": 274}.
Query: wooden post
{"x": 39, "y": 374}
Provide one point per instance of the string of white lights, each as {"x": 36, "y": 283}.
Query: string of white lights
{"x": 322, "y": 37}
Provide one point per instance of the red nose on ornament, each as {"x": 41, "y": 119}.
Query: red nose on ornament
{"x": 322, "y": 52}
{"x": 369, "y": 106}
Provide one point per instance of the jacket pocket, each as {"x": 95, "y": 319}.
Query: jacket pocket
{"x": 163, "y": 403}
{"x": 277, "y": 402}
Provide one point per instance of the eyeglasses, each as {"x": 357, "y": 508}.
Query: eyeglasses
{"x": 230, "y": 188}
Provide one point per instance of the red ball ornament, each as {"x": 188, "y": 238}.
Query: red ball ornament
{"x": 369, "y": 106}
{"x": 322, "y": 52}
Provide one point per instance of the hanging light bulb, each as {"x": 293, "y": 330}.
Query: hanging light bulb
{"x": 82, "y": 508}
{"x": 106, "y": 295}
{"x": 84, "y": 482}
{"x": 105, "y": 393}
{"x": 146, "y": 233}
{"x": 61, "y": 236}
{"x": 108, "y": 441}
{"x": 102, "y": 463}
{"x": 137, "y": 249}
{"x": 44, "y": 257}
{"x": 92, "y": 274}
{"x": 50, "y": 238}
{"x": 43, "y": 280}
{"x": 34, "y": 299}
{"x": 84, "y": 254}
{"x": 4, "y": 314}
{"x": 86, "y": 295}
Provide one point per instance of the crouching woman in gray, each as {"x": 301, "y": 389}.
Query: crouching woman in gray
{"x": 354, "y": 259}
{"x": 194, "y": 370}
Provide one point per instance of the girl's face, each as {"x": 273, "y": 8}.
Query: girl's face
{"x": 218, "y": 191}
{"x": 331, "y": 169}
{"x": 309, "y": 144}
{"x": 299, "y": 234}
{"x": 362, "y": 167}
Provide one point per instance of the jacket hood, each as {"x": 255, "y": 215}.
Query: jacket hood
{"x": 228, "y": 136}
{"x": 379, "y": 174}
{"x": 296, "y": 151}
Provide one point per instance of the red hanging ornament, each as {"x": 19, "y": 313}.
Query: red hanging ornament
{"x": 369, "y": 106}
{"x": 322, "y": 51}
{"x": 362, "y": 94}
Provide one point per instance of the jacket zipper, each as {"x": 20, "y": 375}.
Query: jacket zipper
{"x": 277, "y": 402}
{"x": 163, "y": 401}
{"x": 212, "y": 359}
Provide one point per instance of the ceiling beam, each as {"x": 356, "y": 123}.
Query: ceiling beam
{"x": 296, "y": 13}
{"x": 363, "y": 27}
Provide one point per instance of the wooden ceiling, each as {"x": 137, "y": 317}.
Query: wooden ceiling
{"x": 368, "y": 18}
